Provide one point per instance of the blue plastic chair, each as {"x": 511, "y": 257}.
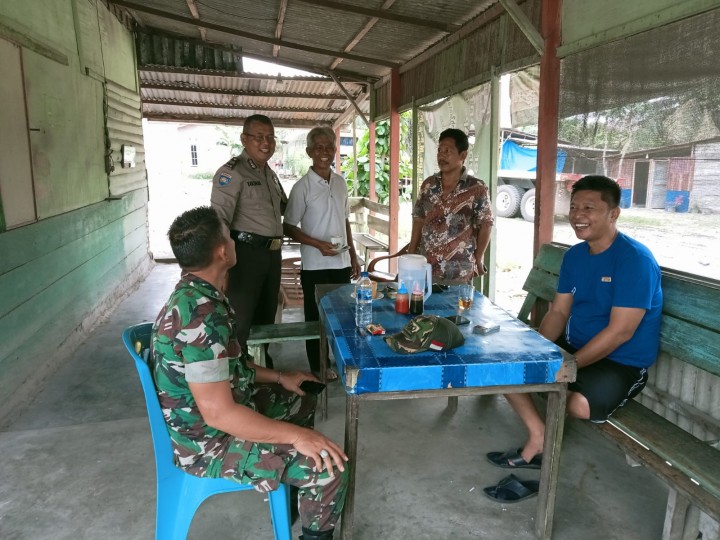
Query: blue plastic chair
{"x": 179, "y": 494}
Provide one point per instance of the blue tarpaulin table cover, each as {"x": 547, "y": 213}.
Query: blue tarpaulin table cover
{"x": 514, "y": 355}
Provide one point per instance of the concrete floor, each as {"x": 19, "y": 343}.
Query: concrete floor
{"x": 77, "y": 463}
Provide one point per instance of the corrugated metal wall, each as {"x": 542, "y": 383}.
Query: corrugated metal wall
{"x": 705, "y": 195}
{"x": 659, "y": 183}
{"x": 498, "y": 42}
{"x": 124, "y": 127}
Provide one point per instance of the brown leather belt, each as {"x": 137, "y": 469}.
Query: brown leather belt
{"x": 257, "y": 240}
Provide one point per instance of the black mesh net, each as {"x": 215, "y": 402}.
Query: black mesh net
{"x": 645, "y": 111}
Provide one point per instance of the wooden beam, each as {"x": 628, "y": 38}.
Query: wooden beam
{"x": 196, "y": 15}
{"x": 361, "y": 34}
{"x": 234, "y": 121}
{"x": 382, "y": 14}
{"x": 279, "y": 26}
{"x": 185, "y": 88}
{"x": 179, "y": 103}
{"x": 257, "y": 37}
{"x": 525, "y": 24}
{"x": 349, "y": 113}
{"x": 548, "y": 106}
{"x": 350, "y": 97}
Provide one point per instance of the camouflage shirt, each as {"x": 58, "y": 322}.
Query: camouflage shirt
{"x": 194, "y": 339}
{"x": 451, "y": 225}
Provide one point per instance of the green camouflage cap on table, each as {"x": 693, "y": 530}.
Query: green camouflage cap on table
{"x": 426, "y": 332}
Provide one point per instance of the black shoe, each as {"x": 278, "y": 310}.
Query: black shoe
{"x": 316, "y": 535}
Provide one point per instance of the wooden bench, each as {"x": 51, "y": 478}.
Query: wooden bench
{"x": 368, "y": 244}
{"x": 371, "y": 226}
{"x": 277, "y": 333}
{"x": 671, "y": 427}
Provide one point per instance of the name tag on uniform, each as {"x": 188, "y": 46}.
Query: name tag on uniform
{"x": 254, "y": 183}
{"x": 606, "y": 279}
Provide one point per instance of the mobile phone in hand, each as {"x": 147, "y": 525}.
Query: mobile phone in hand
{"x": 312, "y": 387}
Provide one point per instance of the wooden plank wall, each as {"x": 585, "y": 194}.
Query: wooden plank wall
{"x": 684, "y": 384}
{"x": 57, "y": 272}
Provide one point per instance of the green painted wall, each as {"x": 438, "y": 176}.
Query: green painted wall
{"x": 57, "y": 273}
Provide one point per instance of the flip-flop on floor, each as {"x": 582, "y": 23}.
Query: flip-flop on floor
{"x": 513, "y": 460}
{"x": 512, "y": 490}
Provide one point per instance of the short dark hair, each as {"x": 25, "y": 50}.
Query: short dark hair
{"x": 260, "y": 118}
{"x": 194, "y": 235}
{"x": 457, "y": 135}
{"x": 607, "y": 187}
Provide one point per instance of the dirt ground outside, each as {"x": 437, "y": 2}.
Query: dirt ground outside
{"x": 682, "y": 241}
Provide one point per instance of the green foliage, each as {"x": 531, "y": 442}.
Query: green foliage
{"x": 298, "y": 162}
{"x": 230, "y": 137}
{"x": 636, "y": 126}
{"x": 382, "y": 161}
{"x": 202, "y": 176}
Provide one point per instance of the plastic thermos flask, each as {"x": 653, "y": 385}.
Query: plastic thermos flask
{"x": 402, "y": 300}
{"x": 416, "y": 300}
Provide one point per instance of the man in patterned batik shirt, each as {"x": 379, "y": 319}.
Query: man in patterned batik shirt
{"x": 228, "y": 418}
{"x": 452, "y": 218}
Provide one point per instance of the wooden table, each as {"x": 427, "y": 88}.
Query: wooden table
{"x": 516, "y": 359}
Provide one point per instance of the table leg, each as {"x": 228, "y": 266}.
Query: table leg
{"x": 554, "y": 426}
{"x": 352, "y": 412}
{"x": 323, "y": 369}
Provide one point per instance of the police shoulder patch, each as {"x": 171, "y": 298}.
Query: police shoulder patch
{"x": 224, "y": 179}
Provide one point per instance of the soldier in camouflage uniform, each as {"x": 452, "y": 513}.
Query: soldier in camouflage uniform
{"x": 226, "y": 416}
{"x": 452, "y": 218}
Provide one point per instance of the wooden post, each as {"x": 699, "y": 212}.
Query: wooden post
{"x": 394, "y": 202}
{"x": 415, "y": 161}
{"x": 356, "y": 182}
{"x": 547, "y": 124}
{"x": 337, "y": 149}
{"x": 372, "y": 195}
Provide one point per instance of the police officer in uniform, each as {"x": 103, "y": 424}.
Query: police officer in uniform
{"x": 249, "y": 198}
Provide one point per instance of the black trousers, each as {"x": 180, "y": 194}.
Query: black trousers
{"x": 308, "y": 279}
{"x": 253, "y": 288}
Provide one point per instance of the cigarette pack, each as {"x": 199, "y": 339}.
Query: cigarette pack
{"x": 485, "y": 328}
{"x": 375, "y": 329}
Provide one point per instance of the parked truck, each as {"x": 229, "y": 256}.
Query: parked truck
{"x": 517, "y": 174}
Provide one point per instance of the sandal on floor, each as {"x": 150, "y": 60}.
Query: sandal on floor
{"x": 512, "y": 490}
{"x": 513, "y": 460}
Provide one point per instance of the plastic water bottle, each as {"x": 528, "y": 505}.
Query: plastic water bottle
{"x": 363, "y": 301}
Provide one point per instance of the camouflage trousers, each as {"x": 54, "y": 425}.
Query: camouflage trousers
{"x": 265, "y": 465}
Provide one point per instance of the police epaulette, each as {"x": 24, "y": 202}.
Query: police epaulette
{"x": 231, "y": 164}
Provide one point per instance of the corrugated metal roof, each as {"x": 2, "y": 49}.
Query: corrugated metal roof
{"x": 190, "y": 52}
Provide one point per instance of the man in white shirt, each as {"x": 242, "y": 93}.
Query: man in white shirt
{"x": 317, "y": 213}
